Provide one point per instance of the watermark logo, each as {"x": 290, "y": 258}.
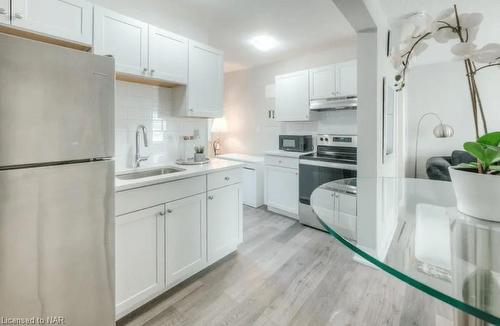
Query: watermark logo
{"x": 49, "y": 320}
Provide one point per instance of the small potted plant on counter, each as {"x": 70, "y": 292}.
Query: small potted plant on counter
{"x": 477, "y": 185}
{"x": 199, "y": 154}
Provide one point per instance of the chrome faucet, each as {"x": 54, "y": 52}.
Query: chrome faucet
{"x": 138, "y": 157}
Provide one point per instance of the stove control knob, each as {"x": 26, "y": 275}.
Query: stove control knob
{"x": 321, "y": 139}
{"x": 326, "y": 139}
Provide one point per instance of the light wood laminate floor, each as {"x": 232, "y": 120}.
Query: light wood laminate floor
{"x": 288, "y": 274}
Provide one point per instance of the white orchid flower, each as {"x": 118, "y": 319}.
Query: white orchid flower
{"x": 464, "y": 50}
{"x": 396, "y": 60}
{"x": 445, "y": 14}
{"x": 488, "y": 53}
{"x": 419, "y": 48}
{"x": 445, "y": 35}
{"x": 470, "y": 20}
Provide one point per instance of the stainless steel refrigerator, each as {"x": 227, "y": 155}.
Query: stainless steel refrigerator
{"x": 56, "y": 184}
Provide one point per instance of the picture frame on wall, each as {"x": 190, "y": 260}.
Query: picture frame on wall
{"x": 388, "y": 43}
{"x": 389, "y": 103}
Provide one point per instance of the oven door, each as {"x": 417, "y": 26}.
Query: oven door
{"x": 313, "y": 174}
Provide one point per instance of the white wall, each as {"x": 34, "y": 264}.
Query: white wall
{"x": 246, "y": 105}
{"x": 442, "y": 88}
{"x": 151, "y": 106}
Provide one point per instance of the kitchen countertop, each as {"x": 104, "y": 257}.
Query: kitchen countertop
{"x": 287, "y": 154}
{"x": 215, "y": 165}
{"x": 242, "y": 157}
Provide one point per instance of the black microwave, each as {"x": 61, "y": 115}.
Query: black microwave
{"x": 296, "y": 143}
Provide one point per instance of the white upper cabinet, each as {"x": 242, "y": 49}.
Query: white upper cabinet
{"x": 339, "y": 80}
{"x": 206, "y": 82}
{"x": 168, "y": 56}
{"x": 67, "y": 19}
{"x": 124, "y": 38}
{"x": 347, "y": 78}
{"x": 4, "y": 11}
{"x": 323, "y": 82}
{"x": 292, "y": 96}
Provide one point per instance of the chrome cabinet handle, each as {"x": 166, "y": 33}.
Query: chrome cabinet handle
{"x": 169, "y": 211}
{"x": 3, "y": 11}
{"x": 18, "y": 15}
{"x": 145, "y": 70}
{"x": 152, "y": 71}
{"x": 227, "y": 178}
{"x": 211, "y": 197}
{"x": 161, "y": 213}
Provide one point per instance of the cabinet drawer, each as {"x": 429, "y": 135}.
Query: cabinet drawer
{"x": 224, "y": 178}
{"x": 286, "y": 162}
{"x": 139, "y": 198}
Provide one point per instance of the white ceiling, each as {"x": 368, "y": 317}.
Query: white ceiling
{"x": 489, "y": 30}
{"x": 299, "y": 25}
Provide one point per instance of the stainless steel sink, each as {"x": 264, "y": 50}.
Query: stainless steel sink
{"x": 149, "y": 173}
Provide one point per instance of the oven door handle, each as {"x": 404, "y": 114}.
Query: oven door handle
{"x": 342, "y": 166}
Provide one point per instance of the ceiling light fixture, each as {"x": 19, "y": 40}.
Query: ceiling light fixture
{"x": 264, "y": 43}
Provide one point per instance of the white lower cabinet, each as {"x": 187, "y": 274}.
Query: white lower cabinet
{"x": 282, "y": 190}
{"x": 224, "y": 209}
{"x": 179, "y": 235}
{"x": 185, "y": 233}
{"x": 139, "y": 257}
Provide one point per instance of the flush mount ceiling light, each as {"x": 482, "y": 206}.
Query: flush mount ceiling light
{"x": 264, "y": 43}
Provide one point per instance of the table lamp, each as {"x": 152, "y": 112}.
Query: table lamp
{"x": 219, "y": 126}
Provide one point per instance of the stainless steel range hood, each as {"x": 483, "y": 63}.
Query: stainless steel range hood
{"x": 336, "y": 103}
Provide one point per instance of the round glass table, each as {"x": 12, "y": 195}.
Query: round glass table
{"x": 411, "y": 229}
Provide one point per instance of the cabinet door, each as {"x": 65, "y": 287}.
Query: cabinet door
{"x": 223, "y": 221}
{"x": 345, "y": 214}
{"x": 323, "y": 82}
{"x": 206, "y": 81}
{"x": 124, "y": 38}
{"x": 347, "y": 78}
{"x": 67, "y": 19}
{"x": 5, "y": 12}
{"x": 140, "y": 257}
{"x": 282, "y": 188}
{"x": 168, "y": 56}
{"x": 186, "y": 237}
{"x": 292, "y": 96}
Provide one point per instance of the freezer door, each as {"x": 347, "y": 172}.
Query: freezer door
{"x": 56, "y": 104}
{"x": 57, "y": 243}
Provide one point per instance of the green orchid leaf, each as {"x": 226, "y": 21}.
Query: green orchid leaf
{"x": 495, "y": 168}
{"x": 492, "y": 154}
{"x": 492, "y": 139}
{"x": 466, "y": 166}
{"x": 475, "y": 149}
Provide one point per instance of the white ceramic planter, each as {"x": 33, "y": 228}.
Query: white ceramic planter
{"x": 478, "y": 195}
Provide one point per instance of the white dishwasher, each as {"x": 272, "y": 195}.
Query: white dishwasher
{"x": 253, "y": 177}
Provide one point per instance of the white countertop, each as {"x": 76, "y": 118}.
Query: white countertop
{"x": 215, "y": 165}
{"x": 242, "y": 158}
{"x": 287, "y": 154}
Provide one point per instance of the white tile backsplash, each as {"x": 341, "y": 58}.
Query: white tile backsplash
{"x": 151, "y": 106}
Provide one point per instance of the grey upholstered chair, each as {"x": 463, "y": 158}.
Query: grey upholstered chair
{"x": 437, "y": 167}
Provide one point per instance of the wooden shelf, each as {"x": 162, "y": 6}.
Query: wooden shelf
{"x": 43, "y": 38}
{"x": 145, "y": 80}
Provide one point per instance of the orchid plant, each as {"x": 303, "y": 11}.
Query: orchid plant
{"x": 448, "y": 26}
